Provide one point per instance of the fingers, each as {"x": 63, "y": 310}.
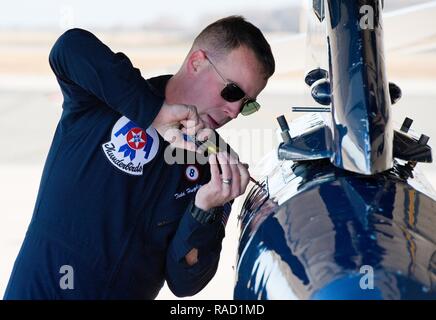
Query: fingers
{"x": 173, "y": 121}
{"x": 191, "y": 127}
{"x": 236, "y": 178}
{"x": 237, "y": 172}
{"x": 175, "y": 137}
{"x": 245, "y": 176}
{"x": 226, "y": 174}
{"x": 214, "y": 170}
{"x": 217, "y": 192}
{"x": 205, "y": 134}
{"x": 240, "y": 176}
{"x": 191, "y": 120}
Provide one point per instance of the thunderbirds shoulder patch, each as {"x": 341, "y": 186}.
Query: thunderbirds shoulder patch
{"x": 131, "y": 147}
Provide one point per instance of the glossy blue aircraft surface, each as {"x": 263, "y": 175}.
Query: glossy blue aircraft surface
{"x": 344, "y": 212}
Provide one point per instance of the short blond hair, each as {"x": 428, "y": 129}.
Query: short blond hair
{"x": 231, "y": 32}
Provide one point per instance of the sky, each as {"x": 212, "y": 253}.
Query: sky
{"x": 115, "y": 13}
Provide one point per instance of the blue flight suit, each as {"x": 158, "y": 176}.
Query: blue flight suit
{"x": 109, "y": 206}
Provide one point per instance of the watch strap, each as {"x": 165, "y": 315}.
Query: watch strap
{"x": 203, "y": 216}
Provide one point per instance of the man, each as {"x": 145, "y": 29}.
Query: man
{"x": 114, "y": 220}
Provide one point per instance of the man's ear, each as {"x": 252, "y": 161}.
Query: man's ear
{"x": 196, "y": 61}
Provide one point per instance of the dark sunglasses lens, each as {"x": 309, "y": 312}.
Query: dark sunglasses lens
{"x": 250, "y": 107}
{"x": 232, "y": 93}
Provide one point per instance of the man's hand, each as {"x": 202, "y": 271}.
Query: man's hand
{"x": 216, "y": 193}
{"x": 223, "y": 187}
{"x": 173, "y": 121}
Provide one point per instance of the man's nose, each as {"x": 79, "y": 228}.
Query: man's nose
{"x": 232, "y": 109}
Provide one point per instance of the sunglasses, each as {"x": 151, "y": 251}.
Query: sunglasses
{"x": 232, "y": 93}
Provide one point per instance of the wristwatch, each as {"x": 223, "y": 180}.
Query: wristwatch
{"x": 202, "y": 216}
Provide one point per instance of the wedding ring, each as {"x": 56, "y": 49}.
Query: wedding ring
{"x": 227, "y": 181}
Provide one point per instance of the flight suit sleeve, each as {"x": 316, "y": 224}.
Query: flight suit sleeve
{"x": 88, "y": 72}
{"x": 185, "y": 280}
